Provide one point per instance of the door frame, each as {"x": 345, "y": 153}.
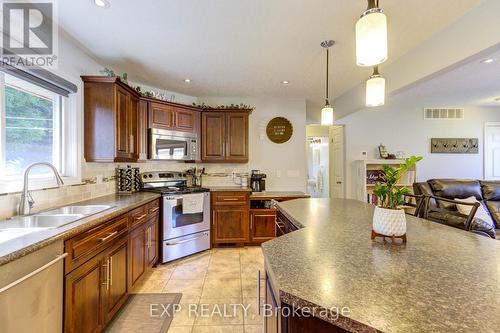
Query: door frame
{"x": 331, "y": 174}
{"x": 487, "y": 125}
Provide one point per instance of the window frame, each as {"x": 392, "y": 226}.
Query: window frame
{"x": 66, "y": 148}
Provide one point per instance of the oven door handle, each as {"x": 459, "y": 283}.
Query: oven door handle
{"x": 186, "y": 240}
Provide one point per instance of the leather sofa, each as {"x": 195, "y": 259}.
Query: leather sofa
{"x": 486, "y": 192}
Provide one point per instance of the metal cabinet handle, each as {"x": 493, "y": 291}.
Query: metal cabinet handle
{"x": 140, "y": 217}
{"x": 258, "y": 291}
{"x": 110, "y": 271}
{"x": 106, "y": 275}
{"x": 108, "y": 236}
{"x": 35, "y": 272}
{"x": 230, "y": 199}
{"x": 132, "y": 146}
{"x": 153, "y": 210}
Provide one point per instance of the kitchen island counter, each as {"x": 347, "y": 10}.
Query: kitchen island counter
{"x": 442, "y": 280}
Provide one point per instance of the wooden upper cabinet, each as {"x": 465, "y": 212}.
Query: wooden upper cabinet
{"x": 185, "y": 120}
{"x": 111, "y": 111}
{"x": 161, "y": 116}
{"x": 225, "y": 136}
{"x": 213, "y": 136}
{"x": 237, "y": 137}
{"x": 142, "y": 131}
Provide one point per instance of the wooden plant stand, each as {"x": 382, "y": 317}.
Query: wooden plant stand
{"x": 393, "y": 238}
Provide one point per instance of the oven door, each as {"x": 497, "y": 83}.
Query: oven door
{"x": 176, "y": 224}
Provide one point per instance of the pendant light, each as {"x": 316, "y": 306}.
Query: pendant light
{"x": 375, "y": 89}
{"x": 327, "y": 111}
{"x": 371, "y": 36}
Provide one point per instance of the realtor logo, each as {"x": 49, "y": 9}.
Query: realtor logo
{"x": 29, "y": 33}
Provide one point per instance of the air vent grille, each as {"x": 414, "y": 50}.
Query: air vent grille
{"x": 440, "y": 113}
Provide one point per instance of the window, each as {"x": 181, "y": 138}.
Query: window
{"x": 31, "y": 127}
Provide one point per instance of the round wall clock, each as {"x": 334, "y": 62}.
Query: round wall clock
{"x": 279, "y": 130}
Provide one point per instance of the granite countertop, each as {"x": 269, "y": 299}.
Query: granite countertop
{"x": 278, "y": 195}
{"x": 443, "y": 280}
{"x": 21, "y": 246}
{"x": 228, "y": 188}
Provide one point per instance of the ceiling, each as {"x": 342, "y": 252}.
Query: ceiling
{"x": 245, "y": 48}
{"x": 470, "y": 83}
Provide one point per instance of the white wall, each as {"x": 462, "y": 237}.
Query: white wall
{"x": 402, "y": 128}
{"x": 285, "y": 164}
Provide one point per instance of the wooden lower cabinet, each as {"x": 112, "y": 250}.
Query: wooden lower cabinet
{"x": 115, "y": 265}
{"x": 84, "y": 297}
{"x": 152, "y": 246}
{"x": 137, "y": 255}
{"x": 230, "y": 224}
{"x": 96, "y": 289}
{"x": 262, "y": 225}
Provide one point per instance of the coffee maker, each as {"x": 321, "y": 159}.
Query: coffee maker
{"x": 257, "y": 181}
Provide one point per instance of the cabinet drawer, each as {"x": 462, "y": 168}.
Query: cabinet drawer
{"x": 82, "y": 247}
{"x": 137, "y": 216}
{"x": 153, "y": 208}
{"x": 230, "y": 198}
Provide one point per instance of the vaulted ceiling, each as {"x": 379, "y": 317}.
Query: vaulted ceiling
{"x": 245, "y": 48}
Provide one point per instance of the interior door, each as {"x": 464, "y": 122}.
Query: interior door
{"x": 337, "y": 162}
{"x": 492, "y": 151}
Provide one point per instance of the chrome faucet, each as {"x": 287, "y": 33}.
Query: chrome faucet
{"x": 27, "y": 201}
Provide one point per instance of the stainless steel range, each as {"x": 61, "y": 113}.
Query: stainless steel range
{"x": 186, "y": 213}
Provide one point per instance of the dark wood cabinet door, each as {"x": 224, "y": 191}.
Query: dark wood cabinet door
{"x": 142, "y": 131}
{"x": 83, "y": 297}
{"x": 122, "y": 123}
{"x": 133, "y": 123}
{"x": 137, "y": 255}
{"x": 184, "y": 120}
{"x": 236, "y": 147}
{"x": 152, "y": 245}
{"x": 262, "y": 225}
{"x": 213, "y": 131}
{"x": 116, "y": 287}
{"x": 231, "y": 224}
{"x": 161, "y": 116}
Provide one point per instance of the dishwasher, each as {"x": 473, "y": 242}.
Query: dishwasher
{"x": 31, "y": 292}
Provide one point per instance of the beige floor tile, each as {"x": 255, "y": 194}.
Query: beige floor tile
{"x": 249, "y": 287}
{"x": 149, "y": 286}
{"x": 224, "y": 269}
{"x": 252, "y": 251}
{"x": 180, "y": 329}
{"x": 253, "y": 328}
{"x": 218, "y": 329}
{"x": 200, "y": 259}
{"x": 190, "y": 271}
{"x": 185, "y": 316}
{"x": 189, "y": 288}
{"x": 221, "y": 288}
{"x": 250, "y": 271}
{"x": 161, "y": 274}
{"x": 217, "y": 312}
{"x": 252, "y": 316}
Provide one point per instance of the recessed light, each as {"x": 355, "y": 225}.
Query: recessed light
{"x": 102, "y": 3}
{"x": 497, "y": 99}
{"x": 488, "y": 61}
{"x": 285, "y": 82}
{"x": 187, "y": 80}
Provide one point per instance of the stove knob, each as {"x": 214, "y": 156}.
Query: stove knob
{"x": 145, "y": 176}
{"x": 150, "y": 176}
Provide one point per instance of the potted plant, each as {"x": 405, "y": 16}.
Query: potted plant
{"x": 389, "y": 218}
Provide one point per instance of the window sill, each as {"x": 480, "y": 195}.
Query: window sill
{"x": 14, "y": 186}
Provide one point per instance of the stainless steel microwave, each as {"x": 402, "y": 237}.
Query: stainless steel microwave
{"x": 172, "y": 145}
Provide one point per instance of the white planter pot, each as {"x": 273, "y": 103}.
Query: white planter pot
{"x": 389, "y": 222}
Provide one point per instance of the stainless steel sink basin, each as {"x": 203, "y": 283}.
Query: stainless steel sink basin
{"x": 85, "y": 210}
{"x": 41, "y": 221}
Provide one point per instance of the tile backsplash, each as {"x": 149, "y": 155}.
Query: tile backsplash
{"x": 98, "y": 180}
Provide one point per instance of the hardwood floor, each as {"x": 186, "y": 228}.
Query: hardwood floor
{"x": 212, "y": 279}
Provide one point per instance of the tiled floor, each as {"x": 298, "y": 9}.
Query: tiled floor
{"x": 219, "y": 286}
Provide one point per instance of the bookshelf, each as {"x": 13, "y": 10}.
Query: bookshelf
{"x": 366, "y": 174}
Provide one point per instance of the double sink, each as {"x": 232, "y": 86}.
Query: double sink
{"x": 22, "y": 225}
